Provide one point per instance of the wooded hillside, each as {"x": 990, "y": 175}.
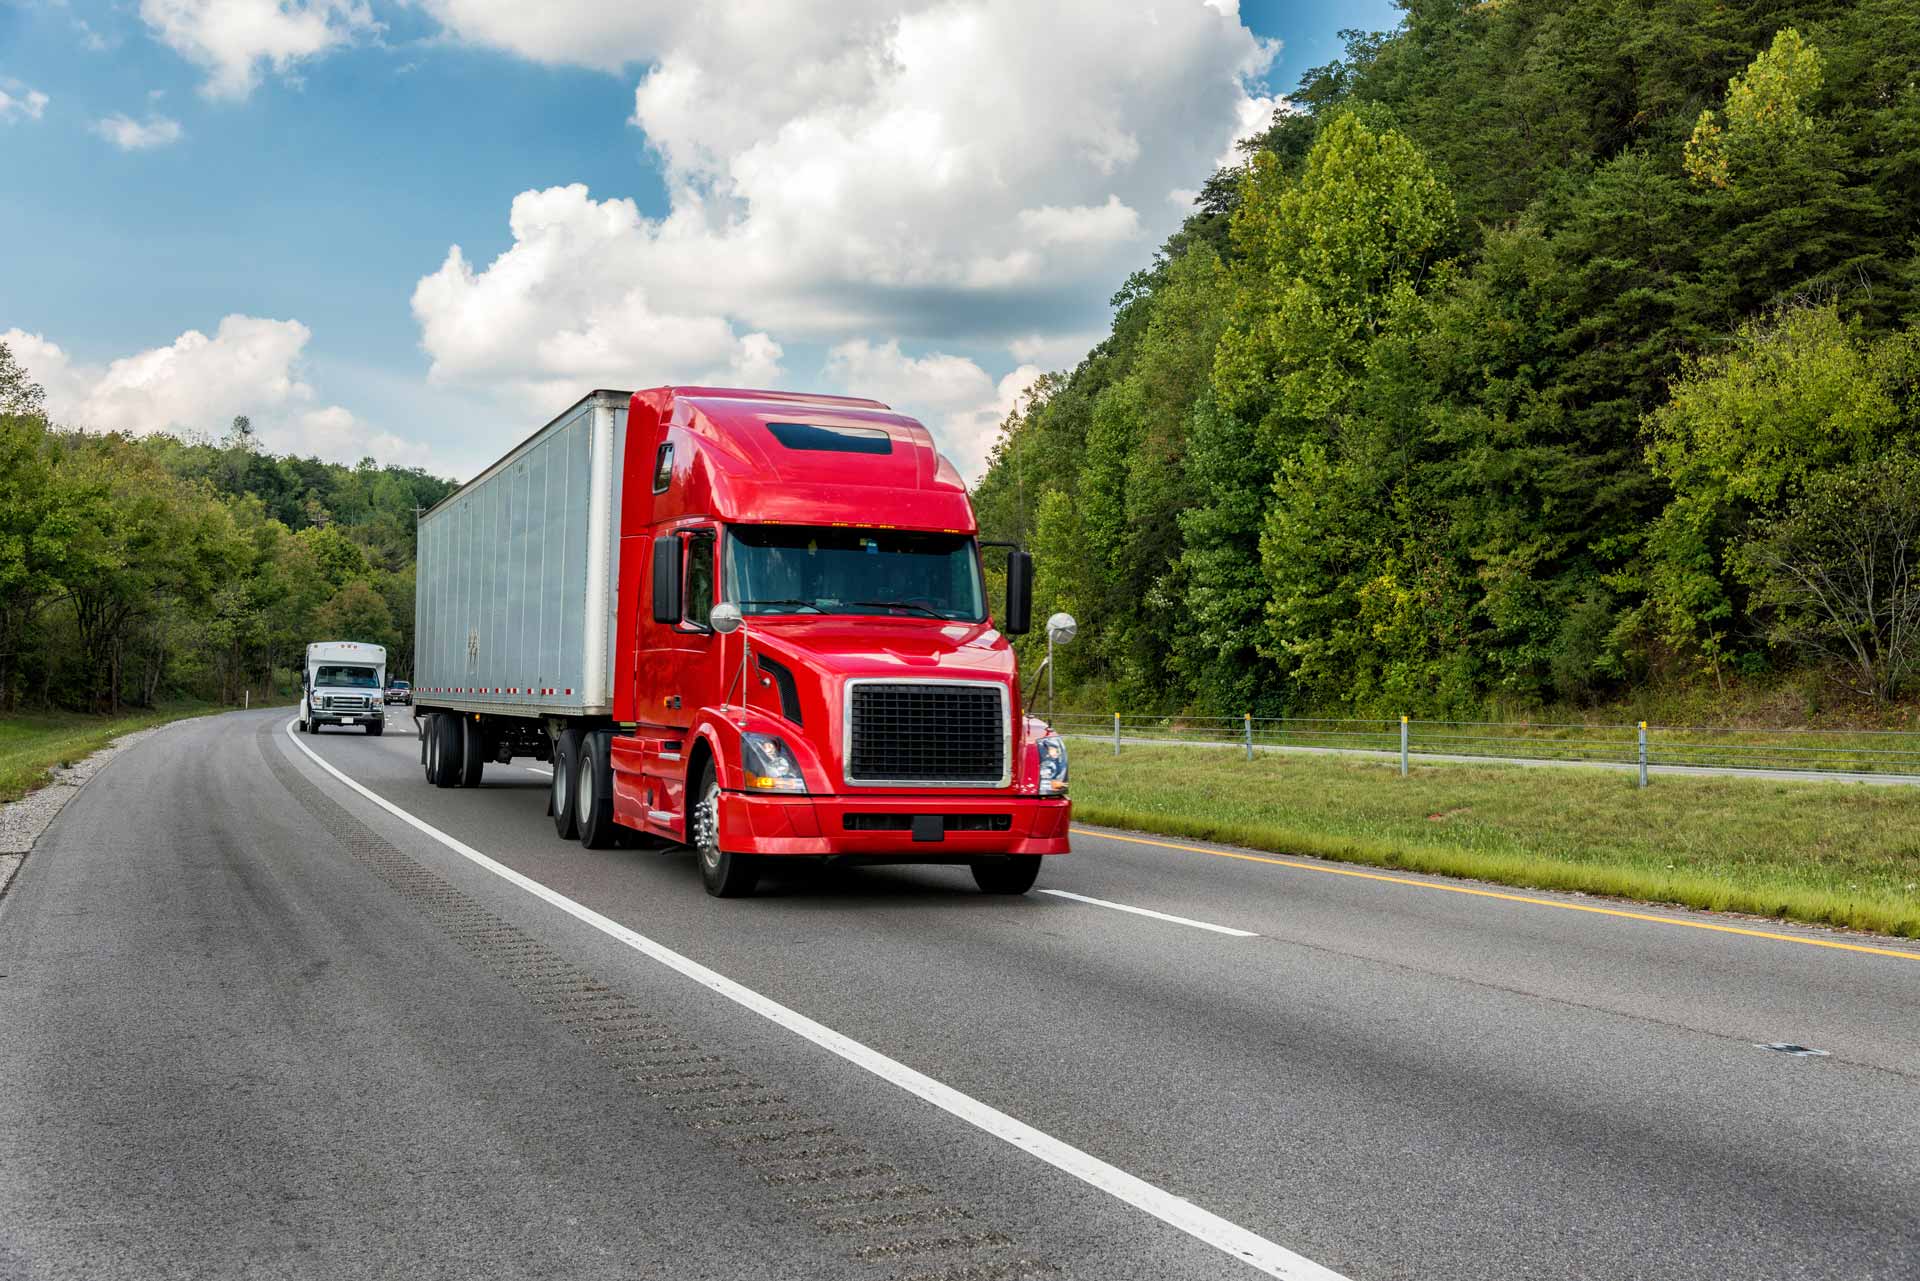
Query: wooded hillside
{"x": 134, "y": 569}
{"x": 1545, "y": 350}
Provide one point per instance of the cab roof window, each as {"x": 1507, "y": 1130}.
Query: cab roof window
{"x": 833, "y": 440}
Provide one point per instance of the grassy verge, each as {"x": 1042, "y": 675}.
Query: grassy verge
{"x": 33, "y": 743}
{"x": 1827, "y": 853}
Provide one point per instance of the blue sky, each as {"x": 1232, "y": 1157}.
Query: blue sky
{"x": 169, "y": 172}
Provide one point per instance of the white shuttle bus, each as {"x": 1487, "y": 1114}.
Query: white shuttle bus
{"x": 344, "y": 683}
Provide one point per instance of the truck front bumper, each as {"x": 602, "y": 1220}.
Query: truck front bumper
{"x": 884, "y": 826}
{"x": 348, "y": 718}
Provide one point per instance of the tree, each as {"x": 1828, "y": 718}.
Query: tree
{"x": 1839, "y": 573}
{"x": 20, "y": 396}
{"x": 355, "y": 612}
{"x": 1329, "y": 262}
{"x": 1745, "y": 432}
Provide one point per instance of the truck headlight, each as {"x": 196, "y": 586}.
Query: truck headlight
{"x": 1053, "y": 765}
{"x": 768, "y": 765}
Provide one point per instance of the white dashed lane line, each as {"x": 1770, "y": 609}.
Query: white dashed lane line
{"x": 1158, "y": 916}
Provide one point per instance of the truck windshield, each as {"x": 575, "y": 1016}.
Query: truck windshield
{"x": 347, "y": 677}
{"x": 803, "y": 569}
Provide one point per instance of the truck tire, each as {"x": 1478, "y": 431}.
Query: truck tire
{"x": 473, "y": 751}
{"x": 593, "y": 794}
{"x": 430, "y": 747}
{"x": 446, "y": 750}
{"x": 566, "y": 759}
{"x": 1006, "y": 874}
{"x": 726, "y": 875}
{"x": 376, "y": 728}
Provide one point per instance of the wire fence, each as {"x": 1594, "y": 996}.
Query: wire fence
{"x": 1647, "y": 748}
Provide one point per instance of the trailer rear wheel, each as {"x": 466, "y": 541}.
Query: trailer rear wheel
{"x": 1006, "y": 874}
{"x": 472, "y": 757}
{"x": 429, "y": 745}
{"x": 726, "y": 875}
{"x": 593, "y": 794}
{"x": 445, "y": 750}
{"x": 566, "y": 759}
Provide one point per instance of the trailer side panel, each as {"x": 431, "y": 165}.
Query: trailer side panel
{"x": 514, "y": 608}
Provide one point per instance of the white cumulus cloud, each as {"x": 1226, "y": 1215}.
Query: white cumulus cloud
{"x": 234, "y": 39}
{"x": 129, "y": 134}
{"x": 22, "y": 104}
{"x": 570, "y": 307}
{"x": 934, "y": 173}
{"x": 199, "y": 383}
{"x": 962, "y": 403}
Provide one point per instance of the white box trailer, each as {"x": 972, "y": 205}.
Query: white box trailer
{"x": 514, "y": 610}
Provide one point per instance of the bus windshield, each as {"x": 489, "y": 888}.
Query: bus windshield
{"x": 333, "y": 677}
{"x": 805, "y": 569}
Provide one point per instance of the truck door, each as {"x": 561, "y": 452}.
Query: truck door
{"x": 676, "y": 677}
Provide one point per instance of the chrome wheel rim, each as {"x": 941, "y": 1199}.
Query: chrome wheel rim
{"x": 559, "y": 784}
{"x": 586, "y": 786}
{"x": 706, "y": 826}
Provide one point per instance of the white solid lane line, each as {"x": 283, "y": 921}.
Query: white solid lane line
{"x": 1254, "y": 1250}
{"x": 538, "y": 769}
{"x": 1158, "y": 916}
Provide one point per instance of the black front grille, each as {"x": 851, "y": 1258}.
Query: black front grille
{"x": 948, "y": 822}
{"x": 924, "y": 733}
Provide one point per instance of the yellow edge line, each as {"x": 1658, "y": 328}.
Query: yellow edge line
{"x": 1511, "y": 898}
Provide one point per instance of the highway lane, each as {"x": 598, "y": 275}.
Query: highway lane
{"x": 1392, "y": 1080}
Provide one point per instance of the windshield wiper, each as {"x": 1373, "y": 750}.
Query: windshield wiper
{"x": 803, "y": 604}
{"x": 901, "y": 604}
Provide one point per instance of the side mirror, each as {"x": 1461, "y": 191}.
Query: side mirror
{"x": 725, "y": 619}
{"x": 1019, "y": 620}
{"x": 666, "y": 579}
{"x": 1061, "y": 628}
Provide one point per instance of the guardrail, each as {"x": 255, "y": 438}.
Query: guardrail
{"x": 1644, "y": 747}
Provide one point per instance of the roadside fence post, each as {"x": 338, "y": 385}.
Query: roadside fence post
{"x": 1249, "y": 735}
{"x": 1403, "y": 747}
{"x": 1643, "y": 753}
{"x": 1116, "y": 733}
{"x": 248, "y": 697}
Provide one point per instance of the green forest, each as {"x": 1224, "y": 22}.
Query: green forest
{"x": 1544, "y": 354}
{"x": 140, "y": 569}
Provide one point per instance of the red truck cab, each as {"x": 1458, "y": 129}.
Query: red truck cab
{"x": 805, "y": 660}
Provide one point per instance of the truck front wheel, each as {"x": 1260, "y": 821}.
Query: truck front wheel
{"x": 1006, "y": 874}
{"x": 726, "y": 875}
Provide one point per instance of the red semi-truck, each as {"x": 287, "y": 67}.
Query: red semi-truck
{"x": 751, "y": 622}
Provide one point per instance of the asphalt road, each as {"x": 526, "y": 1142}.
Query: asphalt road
{"x": 253, "y": 1024}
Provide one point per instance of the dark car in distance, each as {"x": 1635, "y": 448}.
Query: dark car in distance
{"x": 399, "y": 692}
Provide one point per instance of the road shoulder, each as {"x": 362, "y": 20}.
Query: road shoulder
{"x": 25, "y": 821}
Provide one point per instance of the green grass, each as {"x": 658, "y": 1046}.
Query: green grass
{"x": 1855, "y": 751}
{"x": 1826, "y": 853}
{"x": 33, "y": 743}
